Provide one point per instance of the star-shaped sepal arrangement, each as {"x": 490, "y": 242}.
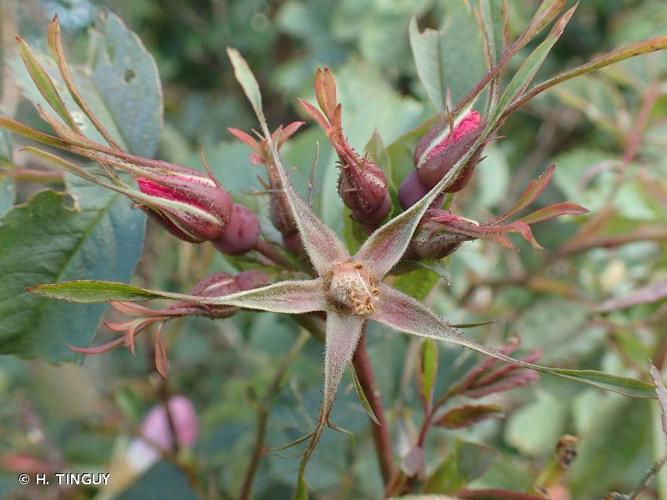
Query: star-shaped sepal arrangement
{"x": 349, "y": 289}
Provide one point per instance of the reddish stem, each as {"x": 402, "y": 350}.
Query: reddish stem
{"x": 364, "y": 370}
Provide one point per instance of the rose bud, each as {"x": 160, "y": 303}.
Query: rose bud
{"x": 247, "y": 280}
{"x": 219, "y": 284}
{"x": 293, "y": 243}
{"x": 240, "y": 234}
{"x": 362, "y": 184}
{"x": 439, "y": 150}
{"x": 411, "y": 190}
{"x": 433, "y": 239}
{"x": 187, "y": 203}
{"x": 279, "y": 211}
{"x": 363, "y": 187}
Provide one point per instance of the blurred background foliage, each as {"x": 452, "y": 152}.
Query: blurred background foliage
{"x": 80, "y": 416}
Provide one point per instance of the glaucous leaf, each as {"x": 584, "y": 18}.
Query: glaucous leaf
{"x": 451, "y": 60}
{"x": 462, "y": 465}
{"x": 45, "y": 240}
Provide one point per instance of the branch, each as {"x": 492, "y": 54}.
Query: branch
{"x": 259, "y": 449}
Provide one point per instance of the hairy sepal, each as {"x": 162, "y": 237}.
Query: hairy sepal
{"x": 320, "y": 242}
{"x": 289, "y": 297}
{"x": 342, "y": 336}
{"x": 404, "y": 313}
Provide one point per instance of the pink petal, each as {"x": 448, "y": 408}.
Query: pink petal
{"x": 155, "y": 426}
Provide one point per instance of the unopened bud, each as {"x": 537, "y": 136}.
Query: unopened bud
{"x": 188, "y": 204}
{"x": 444, "y": 145}
{"x": 279, "y": 210}
{"x": 412, "y": 190}
{"x": 362, "y": 184}
{"x": 363, "y": 187}
{"x": 240, "y": 234}
{"x": 433, "y": 239}
{"x": 293, "y": 243}
{"x": 219, "y": 284}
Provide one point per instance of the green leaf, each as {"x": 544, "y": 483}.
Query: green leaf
{"x": 418, "y": 283}
{"x": 44, "y": 84}
{"x": 6, "y": 184}
{"x": 464, "y": 463}
{"x": 362, "y": 397}
{"x": 378, "y": 154}
{"x": 530, "y": 66}
{"x": 535, "y": 428}
{"x": 353, "y": 234}
{"x": 92, "y": 292}
{"x": 493, "y": 19}
{"x": 121, "y": 86}
{"x": 247, "y": 80}
{"x": 450, "y": 60}
{"x": 170, "y": 480}
{"x": 614, "y": 450}
{"x": 626, "y": 386}
{"x": 126, "y": 84}
{"x": 428, "y": 369}
{"x": 102, "y": 236}
{"x": 45, "y": 241}
{"x": 438, "y": 267}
